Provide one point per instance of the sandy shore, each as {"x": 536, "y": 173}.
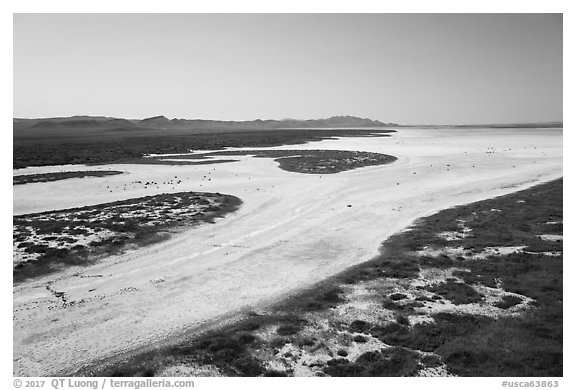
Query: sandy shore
{"x": 292, "y": 230}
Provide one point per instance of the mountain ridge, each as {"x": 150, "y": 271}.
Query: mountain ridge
{"x": 160, "y": 122}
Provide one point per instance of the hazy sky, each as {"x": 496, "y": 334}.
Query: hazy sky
{"x": 404, "y": 68}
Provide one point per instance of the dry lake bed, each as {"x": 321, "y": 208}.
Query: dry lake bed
{"x": 237, "y": 238}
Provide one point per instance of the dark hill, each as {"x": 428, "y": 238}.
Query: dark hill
{"x": 156, "y": 122}
{"x": 75, "y": 122}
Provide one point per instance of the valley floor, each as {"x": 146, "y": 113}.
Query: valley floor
{"x": 293, "y": 230}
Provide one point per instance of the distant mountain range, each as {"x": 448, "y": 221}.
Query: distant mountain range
{"x": 83, "y": 125}
{"x": 163, "y": 123}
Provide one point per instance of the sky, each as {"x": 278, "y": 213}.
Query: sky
{"x": 401, "y": 68}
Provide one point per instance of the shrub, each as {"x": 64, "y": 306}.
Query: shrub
{"x": 249, "y": 325}
{"x": 397, "y": 296}
{"x": 304, "y": 341}
{"x": 402, "y": 320}
{"x": 359, "y": 326}
{"x": 431, "y": 360}
{"x": 246, "y": 338}
{"x": 388, "y": 362}
{"x": 457, "y": 293}
{"x": 508, "y": 301}
{"x": 278, "y": 342}
{"x": 248, "y": 366}
{"x": 287, "y": 330}
{"x": 402, "y": 269}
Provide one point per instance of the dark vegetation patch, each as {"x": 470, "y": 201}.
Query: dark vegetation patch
{"x": 428, "y": 336}
{"x": 431, "y": 361}
{"x": 397, "y": 296}
{"x": 387, "y": 362}
{"x": 321, "y": 298}
{"x": 508, "y": 301}
{"x": 287, "y": 330}
{"x": 359, "y": 326}
{"x": 275, "y": 373}
{"x": 109, "y": 227}
{"x": 174, "y": 161}
{"x": 470, "y": 345}
{"x": 529, "y": 345}
{"x": 308, "y": 161}
{"x": 54, "y": 176}
{"x": 457, "y": 293}
{"x": 37, "y": 149}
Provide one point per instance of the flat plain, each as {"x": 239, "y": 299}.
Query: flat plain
{"x": 292, "y": 231}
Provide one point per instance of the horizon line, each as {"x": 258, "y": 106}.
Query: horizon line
{"x": 296, "y": 119}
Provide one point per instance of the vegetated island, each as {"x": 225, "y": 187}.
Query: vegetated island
{"x": 55, "y": 176}
{"x": 475, "y": 290}
{"x": 47, "y": 241}
{"x": 300, "y": 161}
{"x": 101, "y": 140}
